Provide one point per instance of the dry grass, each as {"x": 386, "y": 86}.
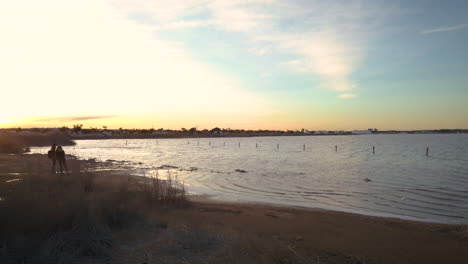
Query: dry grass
{"x": 168, "y": 191}
{"x": 65, "y": 218}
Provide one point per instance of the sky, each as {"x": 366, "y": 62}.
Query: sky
{"x": 253, "y": 64}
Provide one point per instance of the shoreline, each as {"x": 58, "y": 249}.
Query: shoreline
{"x": 110, "y": 167}
{"x": 119, "y": 167}
{"x": 234, "y": 232}
{"x": 256, "y": 136}
{"x": 205, "y": 198}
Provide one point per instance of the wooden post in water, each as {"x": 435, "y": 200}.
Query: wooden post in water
{"x": 239, "y": 144}
{"x": 427, "y": 152}
{"x": 373, "y": 150}
{"x": 198, "y": 142}
{"x": 336, "y": 148}
{"x": 303, "y": 148}
{"x": 256, "y": 145}
{"x": 209, "y": 143}
{"x": 277, "y": 146}
{"x": 224, "y": 144}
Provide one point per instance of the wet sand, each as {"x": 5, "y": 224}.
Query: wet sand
{"x": 332, "y": 237}
{"x": 213, "y": 232}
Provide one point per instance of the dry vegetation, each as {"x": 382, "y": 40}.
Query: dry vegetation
{"x": 11, "y": 144}
{"x": 19, "y": 142}
{"x": 66, "y": 218}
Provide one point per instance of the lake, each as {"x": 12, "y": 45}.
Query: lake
{"x": 399, "y": 180}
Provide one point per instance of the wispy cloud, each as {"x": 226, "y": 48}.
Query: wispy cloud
{"x": 346, "y": 96}
{"x": 182, "y": 24}
{"x": 444, "y": 29}
{"x": 266, "y": 75}
{"x": 261, "y": 51}
{"x": 72, "y": 118}
{"x": 325, "y": 55}
{"x": 327, "y": 38}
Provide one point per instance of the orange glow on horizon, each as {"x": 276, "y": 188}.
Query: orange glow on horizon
{"x": 274, "y": 121}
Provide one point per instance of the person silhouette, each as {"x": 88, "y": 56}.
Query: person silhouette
{"x": 60, "y": 156}
{"x": 52, "y": 156}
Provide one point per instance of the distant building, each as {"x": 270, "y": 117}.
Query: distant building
{"x": 160, "y": 132}
{"x": 76, "y": 134}
{"x": 361, "y": 132}
{"x": 321, "y": 132}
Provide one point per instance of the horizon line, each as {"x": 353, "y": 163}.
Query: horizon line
{"x": 230, "y": 129}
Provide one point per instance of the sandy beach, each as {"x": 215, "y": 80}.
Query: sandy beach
{"x": 206, "y": 231}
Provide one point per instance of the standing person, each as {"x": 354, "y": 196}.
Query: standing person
{"x": 60, "y": 154}
{"x": 52, "y": 156}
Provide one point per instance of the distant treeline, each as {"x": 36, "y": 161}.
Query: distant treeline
{"x": 433, "y": 131}
{"x": 65, "y": 135}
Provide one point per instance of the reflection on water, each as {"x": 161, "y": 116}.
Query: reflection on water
{"x": 403, "y": 181}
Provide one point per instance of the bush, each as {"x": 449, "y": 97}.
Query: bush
{"x": 20, "y": 142}
{"x": 11, "y": 144}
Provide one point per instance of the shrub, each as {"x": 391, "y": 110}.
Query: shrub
{"x": 12, "y": 144}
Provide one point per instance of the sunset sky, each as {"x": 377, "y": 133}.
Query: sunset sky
{"x": 255, "y": 64}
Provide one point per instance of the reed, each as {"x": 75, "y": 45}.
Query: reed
{"x": 64, "y": 218}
